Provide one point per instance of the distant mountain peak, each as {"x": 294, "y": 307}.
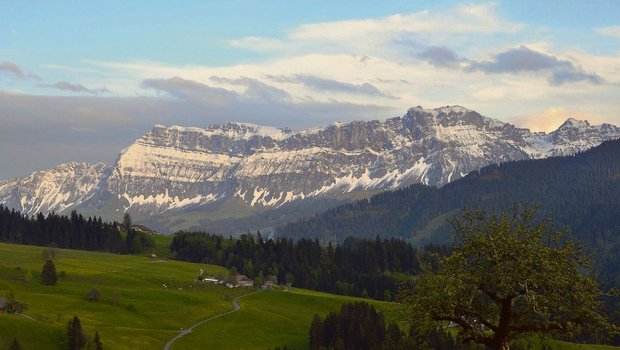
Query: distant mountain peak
{"x": 174, "y": 170}
{"x": 575, "y": 123}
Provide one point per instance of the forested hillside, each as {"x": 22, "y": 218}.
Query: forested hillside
{"x": 368, "y": 268}
{"x": 580, "y": 191}
{"x": 73, "y": 231}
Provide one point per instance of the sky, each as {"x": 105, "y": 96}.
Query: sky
{"x": 80, "y": 80}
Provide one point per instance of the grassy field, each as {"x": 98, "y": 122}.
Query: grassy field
{"x": 269, "y": 319}
{"x": 136, "y": 312}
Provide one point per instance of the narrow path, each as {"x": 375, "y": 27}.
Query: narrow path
{"x": 27, "y": 316}
{"x": 236, "y": 308}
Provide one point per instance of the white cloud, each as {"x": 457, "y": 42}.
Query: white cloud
{"x": 609, "y": 31}
{"x": 378, "y": 36}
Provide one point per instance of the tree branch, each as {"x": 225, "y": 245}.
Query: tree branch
{"x": 478, "y": 317}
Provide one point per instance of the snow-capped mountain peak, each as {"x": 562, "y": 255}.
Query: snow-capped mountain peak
{"x": 175, "y": 169}
{"x": 575, "y": 123}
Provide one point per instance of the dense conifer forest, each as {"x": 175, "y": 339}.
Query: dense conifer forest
{"x": 73, "y": 231}
{"x": 369, "y": 268}
{"x": 580, "y": 192}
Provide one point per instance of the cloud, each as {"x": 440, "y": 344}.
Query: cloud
{"x": 376, "y": 36}
{"x": 255, "y": 89}
{"x": 523, "y": 59}
{"x": 97, "y": 128}
{"x": 189, "y": 90}
{"x": 439, "y": 56}
{"x": 17, "y": 71}
{"x": 609, "y": 31}
{"x": 329, "y": 85}
{"x": 259, "y": 103}
{"x": 66, "y": 86}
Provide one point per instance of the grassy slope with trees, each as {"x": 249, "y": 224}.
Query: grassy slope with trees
{"x": 134, "y": 312}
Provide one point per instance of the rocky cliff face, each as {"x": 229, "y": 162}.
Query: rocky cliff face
{"x": 176, "y": 169}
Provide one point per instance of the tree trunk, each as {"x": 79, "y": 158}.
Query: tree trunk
{"x": 502, "y": 332}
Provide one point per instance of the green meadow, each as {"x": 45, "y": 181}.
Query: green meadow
{"x": 136, "y": 311}
{"x": 270, "y": 319}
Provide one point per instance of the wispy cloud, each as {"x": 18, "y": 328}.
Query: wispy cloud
{"x": 75, "y": 87}
{"x": 17, "y": 71}
{"x": 190, "y": 90}
{"x": 322, "y": 84}
{"x": 609, "y": 31}
{"x": 378, "y": 35}
{"x": 255, "y": 89}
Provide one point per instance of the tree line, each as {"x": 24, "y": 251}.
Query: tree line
{"x": 73, "y": 231}
{"x": 367, "y": 268}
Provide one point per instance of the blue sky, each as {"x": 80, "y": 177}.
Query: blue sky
{"x": 81, "y": 80}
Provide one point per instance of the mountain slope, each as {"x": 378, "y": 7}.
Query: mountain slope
{"x": 231, "y": 177}
{"x": 580, "y": 191}
{"x": 58, "y": 189}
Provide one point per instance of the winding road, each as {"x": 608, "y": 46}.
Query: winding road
{"x": 236, "y": 308}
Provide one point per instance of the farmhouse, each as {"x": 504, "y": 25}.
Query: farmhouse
{"x": 140, "y": 228}
{"x": 242, "y": 281}
{"x": 143, "y": 229}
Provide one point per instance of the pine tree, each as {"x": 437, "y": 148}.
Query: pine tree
{"x": 131, "y": 235}
{"x": 15, "y": 345}
{"x": 97, "y": 342}
{"x": 316, "y": 333}
{"x": 48, "y": 274}
{"x": 75, "y": 335}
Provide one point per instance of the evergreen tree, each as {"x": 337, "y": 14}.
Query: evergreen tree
{"x": 131, "y": 235}
{"x": 15, "y": 345}
{"x": 75, "y": 335}
{"x": 97, "y": 342}
{"x": 127, "y": 222}
{"x": 316, "y": 333}
{"x": 48, "y": 274}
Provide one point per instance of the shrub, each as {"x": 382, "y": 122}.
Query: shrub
{"x": 93, "y": 295}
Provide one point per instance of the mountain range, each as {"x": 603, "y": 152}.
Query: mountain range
{"x": 239, "y": 176}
